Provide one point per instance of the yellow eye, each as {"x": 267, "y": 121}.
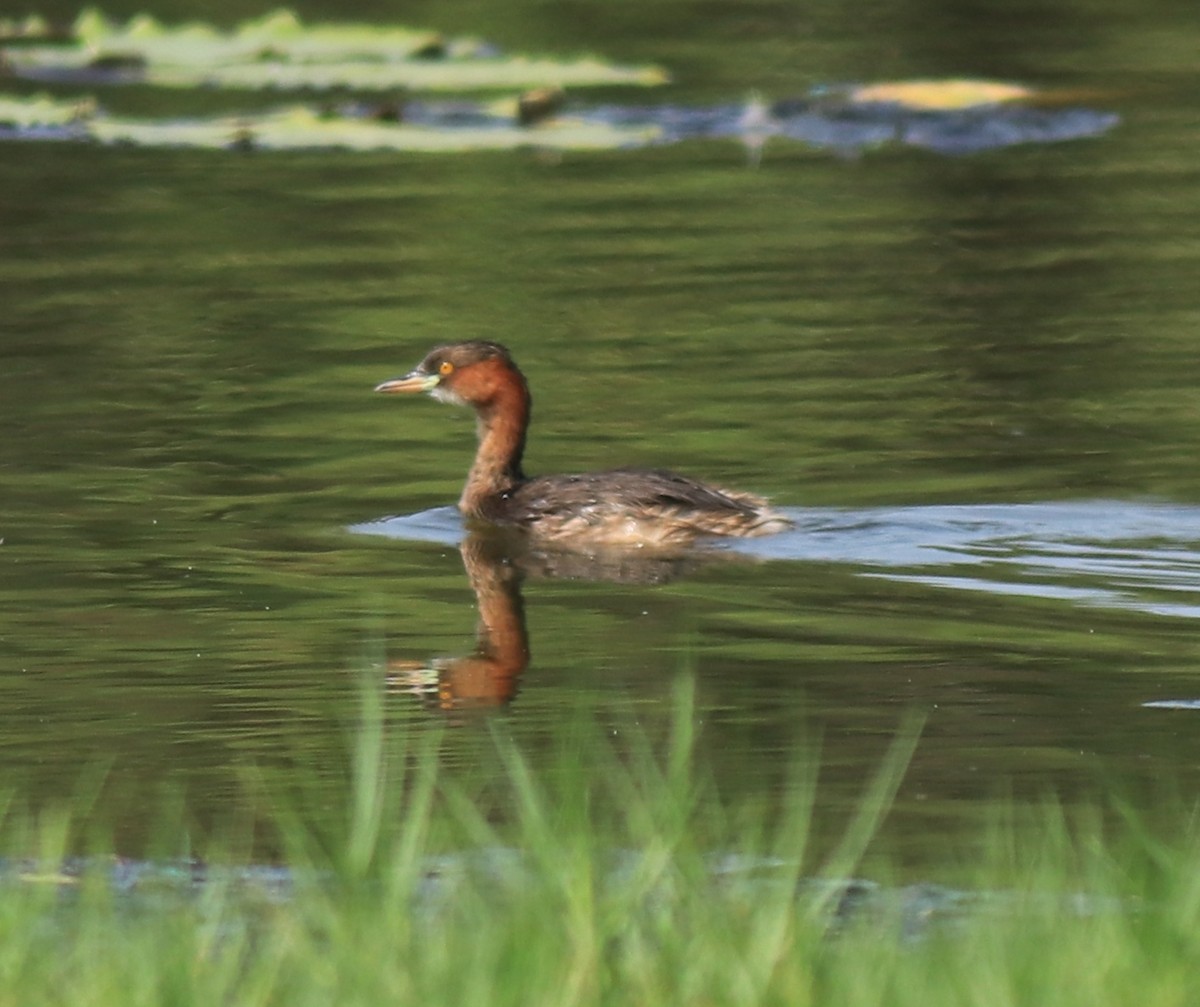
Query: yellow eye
{"x": 445, "y": 367}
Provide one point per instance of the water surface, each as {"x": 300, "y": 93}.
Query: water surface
{"x": 971, "y": 380}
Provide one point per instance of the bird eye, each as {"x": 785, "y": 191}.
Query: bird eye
{"x": 445, "y": 367}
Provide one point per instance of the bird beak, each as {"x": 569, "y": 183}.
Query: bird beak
{"x": 410, "y": 383}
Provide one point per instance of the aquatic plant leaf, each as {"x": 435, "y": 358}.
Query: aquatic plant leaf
{"x": 454, "y": 124}
{"x": 301, "y": 127}
{"x": 939, "y": 95}
{"x": 952, "y": 117}
{"x": 42, "y": 110}
{"x": 448, "y": 75}
{"x": 278, "y": 51}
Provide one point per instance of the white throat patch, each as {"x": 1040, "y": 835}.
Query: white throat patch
{"x": 444, "y": 394}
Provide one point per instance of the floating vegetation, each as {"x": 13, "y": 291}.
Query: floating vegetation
{"x": 956, "y": 116}
{"x": 300, "y": 127}
{"x": 464, "y": 127}
{"x": 936, "y": 95}
{"x": 455, "y": 126}
{"x": 278, "y": 51}
{"x": 42, "y": 111}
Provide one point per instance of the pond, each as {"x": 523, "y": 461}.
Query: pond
{"x": 970, "y": 380}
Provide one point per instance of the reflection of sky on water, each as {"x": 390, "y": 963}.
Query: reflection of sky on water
{"x": 1136, "y": 556}
{"x": 848, "y": 128}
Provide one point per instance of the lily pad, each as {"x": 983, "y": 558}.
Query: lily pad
{"x": 443, "y": 127}
{"x": 279, "y": 51}
{"x": 939, "y": 95}
{"x": 301, "y": 127}
{"x": 542, "y": 118}
{"x": 41, "y": 110}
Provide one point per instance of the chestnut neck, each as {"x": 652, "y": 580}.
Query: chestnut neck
{"x": 502, "y": 420}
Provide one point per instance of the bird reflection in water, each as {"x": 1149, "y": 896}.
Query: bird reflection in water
{"x": 496, "y": 564}
{"x": 627, "y": 525}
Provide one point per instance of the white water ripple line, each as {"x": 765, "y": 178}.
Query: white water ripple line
{"x": 1142, "y": 556}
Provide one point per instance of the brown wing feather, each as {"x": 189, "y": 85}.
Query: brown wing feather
{"x": 627, "y": 505}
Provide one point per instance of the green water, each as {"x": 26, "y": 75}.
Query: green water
{"x": 190, "y": 340}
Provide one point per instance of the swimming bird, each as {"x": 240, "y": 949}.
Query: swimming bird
{"x": 623, "y": 507}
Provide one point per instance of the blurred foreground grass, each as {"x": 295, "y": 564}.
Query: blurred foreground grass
{"x": 619, "y": 875}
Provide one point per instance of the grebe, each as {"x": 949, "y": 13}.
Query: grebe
{"x": 624, "y": 507}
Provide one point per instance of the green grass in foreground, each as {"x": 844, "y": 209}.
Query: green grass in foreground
{"x": 617, "y": 877}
